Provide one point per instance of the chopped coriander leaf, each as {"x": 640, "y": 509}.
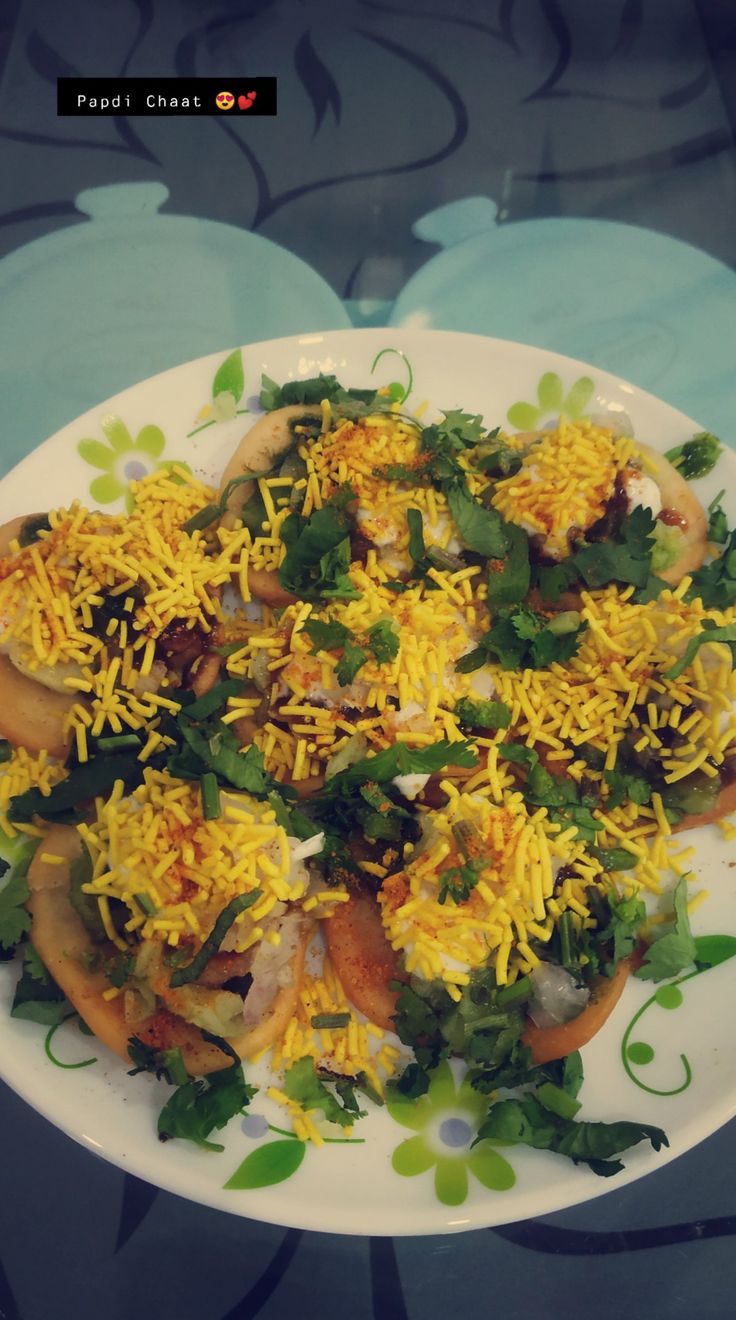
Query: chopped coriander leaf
{"x": 458, "y": 882}
{"x": 626, "y": 787}
{"x": 553, "y": 581}
{"x": 652, "y": 590}
{"x": 37, "y": 996}
{"x": 213, "y": 746}
{"x": 562, "y": 795}
{"x": 460, "y": 428}
{"x": 347, "y": 1086}
{"x": 230, "y": 648}
{"x": 483, "y": 714}
{"x": 509, "y": 575}
{"x": 302, "y": 1084}
{"x": 672, "y": 952}
{"x": 204, "y": 1103}
{"x": 413, "y": 1082}
{"x": 481, "y": 529}
{"x": 318, "y": 551}
{"x": 526, "y": 1121}
{"x": 615, "y": 859}
{"x": 119, "y": 969}
{"x": 625, "y": 557}
{"x": 521, "y": 639}
{"x": 193, "y": 970}
{"x": 15, "y": 922}
{"x": 362, "y": 1083}
{"x": 715, "y": 583}
{"x": 93, "y": 778}
{"x": 401, "y": 760}
{"x": 384, "y": 817}
{"x": 383, "y": 641}
{"x": 326, "y": 634}
{"x": 329, "y": 634}
{"x": 626, "y": 918}
{"x": 717, "y": 520}
{"x": 166, "y": 1065}
{"x": 709, "y": 633}
{"x": 572, "y": 1073}
{"x": 401, "y": 472}
{"x": 417, "y": 547}
{"x": 214, "y": 700}
{"x": 696, "y": 457}
{"x": 353, "y": 659}
{"x": 485, "y": 1027}
{"x": 314, "y": 390}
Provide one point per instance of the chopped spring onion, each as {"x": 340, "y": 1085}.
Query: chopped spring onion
{"x": 211, "y": 809}
{"x": 118, "y": 742}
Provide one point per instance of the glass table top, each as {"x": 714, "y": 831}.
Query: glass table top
{"x": 550, "y": 171}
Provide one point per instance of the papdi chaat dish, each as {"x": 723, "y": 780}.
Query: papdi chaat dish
{"x": 368, "y": 760}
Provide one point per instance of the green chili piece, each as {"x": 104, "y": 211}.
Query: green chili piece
{"x": 328, "y": 1021}
{"x": 210, "y": 791}
{"x": 193, "y": 970}
{"x": 119, "y": 742}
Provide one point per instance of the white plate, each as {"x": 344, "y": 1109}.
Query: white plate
{"x": 354, "y": 1188}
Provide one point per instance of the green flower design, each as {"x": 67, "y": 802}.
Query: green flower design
{"x": 446, "y": 1120}
{"x": 552, "y": 402}
{"x": 227, "y": 391}
{"x": 123, "y": 459}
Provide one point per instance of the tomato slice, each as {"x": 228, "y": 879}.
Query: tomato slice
{"x": 363, "y": 958}
{"x": 548, "y": 1043}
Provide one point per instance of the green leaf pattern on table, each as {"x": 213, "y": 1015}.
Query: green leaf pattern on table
{"x": 123, "y": 459}
{"x": 445, "y": 1121}
{"x": 552, "y": 402}
{"x": 710, "y": 951}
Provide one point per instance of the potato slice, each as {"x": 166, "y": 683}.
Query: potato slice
{"x": 266, "y": 586}
{"x": 62, "y": 941}
{"x": 10, "y": 531}
{"x": 64, "y": 946}
{"x": 269, "y": 439}
{"x": 31, "y": 715}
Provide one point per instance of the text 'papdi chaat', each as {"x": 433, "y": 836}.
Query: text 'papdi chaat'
{"x": 368, "y": 760}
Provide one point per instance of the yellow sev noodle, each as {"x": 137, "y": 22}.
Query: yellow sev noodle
{"x": 154, "y": 851}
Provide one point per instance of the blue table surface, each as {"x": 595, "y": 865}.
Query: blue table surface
{"x": 547, "y": 170}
